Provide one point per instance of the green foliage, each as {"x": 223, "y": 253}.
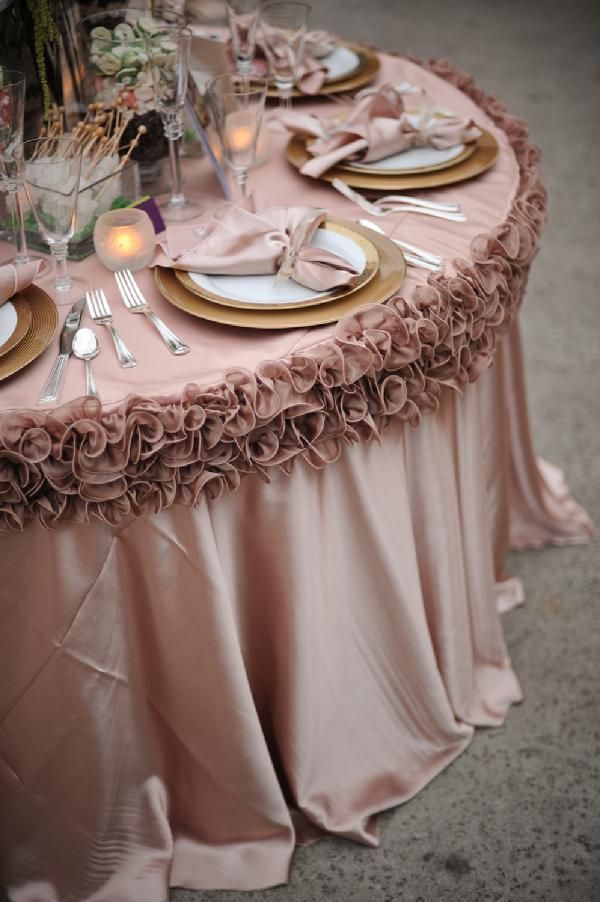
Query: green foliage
{"x": 34, "y": 18}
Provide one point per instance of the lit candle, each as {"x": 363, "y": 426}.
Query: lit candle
{"x": 240, "y": 131}
{"x": 124, "y": 239}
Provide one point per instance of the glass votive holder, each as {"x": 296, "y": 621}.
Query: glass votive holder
{"x": 124, "y": 239}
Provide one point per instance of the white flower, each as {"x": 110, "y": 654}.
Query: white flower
{"x": 109, "y": 64}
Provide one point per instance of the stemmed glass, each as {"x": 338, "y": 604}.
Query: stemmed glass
{"x": 284, "y": 27}
{"x": 243, "y": 19}
{"x": 236, "y": 104}
{"x": 169, "y": 57}
{"x": 12, "y": 108}
{"x": 50, "y": 170}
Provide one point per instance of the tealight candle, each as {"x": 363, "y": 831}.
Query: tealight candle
{"x": 240, "y": 131}
{"x": 124, "y": 239}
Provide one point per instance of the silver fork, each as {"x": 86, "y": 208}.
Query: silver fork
{"x": 99, "y": 310}
{"x": 135, "y": 302}
{"x": 425, "y": 208}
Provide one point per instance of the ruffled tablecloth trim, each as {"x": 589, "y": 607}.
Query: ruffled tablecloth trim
{"x": 388, "y": 360}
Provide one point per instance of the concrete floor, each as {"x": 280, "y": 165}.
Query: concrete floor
{"x": 517, "y": 817}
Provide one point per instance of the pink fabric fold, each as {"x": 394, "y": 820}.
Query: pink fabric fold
{"x": 239, "y": 242}
{"x": 15, "y": 278}
{"x": 376, "y": 127}
{"x": 311, "y": 72}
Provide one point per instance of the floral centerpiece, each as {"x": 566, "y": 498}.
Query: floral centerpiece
{"x": 119, "y": 43}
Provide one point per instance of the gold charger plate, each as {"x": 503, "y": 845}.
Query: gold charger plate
{"x": 23, "y": 311}
{"x": 482, "y": 158}
{"x": 44, "y": 319}
{"x": 365, "y": 73}
{"x": 385, "y": 282}
{"x": 370, "y": 270}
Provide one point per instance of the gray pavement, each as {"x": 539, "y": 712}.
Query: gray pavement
{"x": 517, "y": 817}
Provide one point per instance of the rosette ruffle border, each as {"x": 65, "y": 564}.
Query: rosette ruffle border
{"x": 385, "y": 361}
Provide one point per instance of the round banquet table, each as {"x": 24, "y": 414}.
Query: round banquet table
{"x": 254, "y": 598}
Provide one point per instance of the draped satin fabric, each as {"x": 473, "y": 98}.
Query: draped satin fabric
{"x": 185, "y": 697}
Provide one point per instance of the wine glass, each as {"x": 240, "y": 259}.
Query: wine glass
{"x": 284, "y": 27}
{"x": 12, "y": 109}
{"x": 168, "y": 49}
{"x": 236, "y": 104}
{"x": 50, "y": 170}
{"x": 243, "y": 19}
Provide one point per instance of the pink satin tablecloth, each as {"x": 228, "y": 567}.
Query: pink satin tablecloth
{"x": 187, "y": 694}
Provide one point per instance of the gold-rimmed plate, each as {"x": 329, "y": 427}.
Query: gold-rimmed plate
{"x": 44, "y": 319}
{"x": 23, "y": 316}
{"x": 305, "y": 297}
{"x": 483, "y": 156}
{"x": 386, "y": 281}
{"x": 363, "y": 75}
{"x": 387, "y": 170}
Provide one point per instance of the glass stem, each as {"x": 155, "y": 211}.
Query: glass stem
{"x": 177, "y": 197}
{"x": 62, "y": 281}
{"x": 22, "y": 255}
{"x": 241, "y": 177}
{"x": 285, "y": 100}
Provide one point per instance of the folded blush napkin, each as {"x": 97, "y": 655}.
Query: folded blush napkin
{"x": 239, "y": 242}
{"x": 375, "y": 127}
{"x": 15, "y": 278}
{"x": 311, "y": 71}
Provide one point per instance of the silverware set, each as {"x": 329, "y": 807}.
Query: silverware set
{"x": 84, "y": 343}
{"x": 414, "y": 256}
{"x": 403, "y": 203}
{"x": 399, "y": 203}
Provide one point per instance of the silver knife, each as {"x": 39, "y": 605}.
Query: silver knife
{"x": 51, "y": 389}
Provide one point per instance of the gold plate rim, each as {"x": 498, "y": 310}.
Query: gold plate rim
{"x": 387, "y": 280}
{"x": 483, "y": 158}
{"x": 368, "y": 273}
{"x": 366, "y": 72}
{"x": 44, "y": 319}
{"x": 24, "y": 317}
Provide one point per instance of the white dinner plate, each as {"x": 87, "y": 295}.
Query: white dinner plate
{"x": 415, "y": 158}
{"x": 340, "y": 63}
{"x": 258, "y": 290}
{"x": 8, "y": 321}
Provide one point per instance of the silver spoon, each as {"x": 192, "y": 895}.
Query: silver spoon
{"x": 86, "y": 346}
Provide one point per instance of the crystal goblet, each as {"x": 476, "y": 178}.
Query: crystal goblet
{"x": 168, "y": 51}
{"x": 12, "y": 107}
{"x": 243, "y": 19}
{"x": 284, "y": 27}
{"x": 236, "y": 104}
{"x": 50, "y": 169}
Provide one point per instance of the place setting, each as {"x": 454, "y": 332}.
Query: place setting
{"x": 230, "y": 262}
{"x": 278, "y": 268}
{"x": 382, "y": 143}
{"x": 274, "y": 38}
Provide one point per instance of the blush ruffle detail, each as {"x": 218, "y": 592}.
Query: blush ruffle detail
{"x": 385, "y": 361}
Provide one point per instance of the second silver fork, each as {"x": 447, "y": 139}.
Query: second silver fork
{"x": 135, "y": 301}
{"x": 100, "y": 312}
